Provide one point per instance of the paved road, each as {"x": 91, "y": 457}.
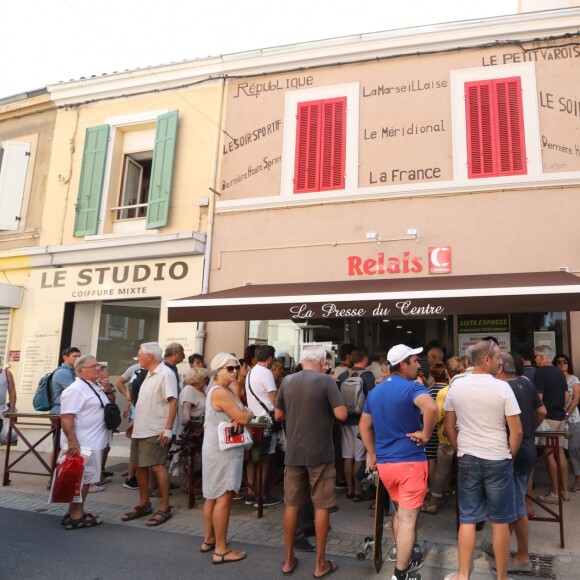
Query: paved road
{"x": 35, "y": 546}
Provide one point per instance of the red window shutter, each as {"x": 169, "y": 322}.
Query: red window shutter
{"x": 481, "y": 154}
{"x": 510, "y": 138}
{"x": 333, "y": 144}
{"x": 320, "y": 145}
{"x": 495, "y": 128}
{"x": 307, "y": 161}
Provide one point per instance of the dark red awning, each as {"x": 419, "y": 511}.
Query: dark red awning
{"x": 407, "y": 297}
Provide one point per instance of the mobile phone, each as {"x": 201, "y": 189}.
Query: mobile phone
{"x": 233, "y": 437}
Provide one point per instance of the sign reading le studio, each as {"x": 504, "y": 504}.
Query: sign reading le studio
{"x": 439, "y": 263}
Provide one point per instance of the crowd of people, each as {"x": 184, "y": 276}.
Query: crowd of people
{"x": 408, "y": 413}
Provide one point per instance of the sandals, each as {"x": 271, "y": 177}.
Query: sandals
{"x": 160, "y": 517}
{"x": 85, "y": 521}
{"x": 223, "y": 558}
{"x": 65, "y": 519}
{"x": 429, "y": 509}
{"x": 137, "y": 512}
{"x": 292, "y": 568}
{"x": 332, "y": 567}
{"x": 209, "y": 548}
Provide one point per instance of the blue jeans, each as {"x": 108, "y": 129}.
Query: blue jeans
{"x": 486, "y": 490}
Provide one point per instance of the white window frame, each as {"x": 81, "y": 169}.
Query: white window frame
{"x": 136, "y": 225}
{"x": 351, "y": 91}
{"x": 527, "y": 73}
{"x": 134, "y": 160}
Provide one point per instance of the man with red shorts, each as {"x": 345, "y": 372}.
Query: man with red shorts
{"x": 394, "y": 437}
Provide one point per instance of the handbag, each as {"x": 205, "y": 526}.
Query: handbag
{"x": 276, "y": 426}
{"x": 111, "y": 411}
{"x": 68, "y": 479}
{"x": 229, "y": 438}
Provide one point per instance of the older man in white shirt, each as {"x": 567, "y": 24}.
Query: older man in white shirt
{"x": 83, "y": 427}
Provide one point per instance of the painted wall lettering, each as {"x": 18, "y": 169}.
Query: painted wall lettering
{"x": 252, "y": 170}
{"x": 255, "y": 89}
{"x": 252, "y": 136}
{"x": 400, "y": 175}
{"x": 533, "y": 55}
{"x": 106, "y": 275}
{"x": 565, "y": 105}
{"x": 411, "y": 87}
{"x": 389, "y": 131}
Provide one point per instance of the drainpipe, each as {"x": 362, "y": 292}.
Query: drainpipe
{"x": 200, "y": 333}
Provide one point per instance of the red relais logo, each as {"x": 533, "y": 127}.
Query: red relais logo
{"x": 440, "y": 260}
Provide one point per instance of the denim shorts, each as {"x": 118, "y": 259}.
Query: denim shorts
{"x": 486, "y": 490}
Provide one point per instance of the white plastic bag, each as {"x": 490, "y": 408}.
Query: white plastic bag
{"x": 229, "y": 441}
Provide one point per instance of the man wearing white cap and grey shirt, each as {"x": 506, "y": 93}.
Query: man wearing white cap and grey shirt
{"x": 394, "y": 437}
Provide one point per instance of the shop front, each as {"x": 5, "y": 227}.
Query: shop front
{"x": 107, "y": 309}
{"x": 519, "y": 309}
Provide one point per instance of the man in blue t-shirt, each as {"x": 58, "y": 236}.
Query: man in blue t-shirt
{"x": 394, "y": 437}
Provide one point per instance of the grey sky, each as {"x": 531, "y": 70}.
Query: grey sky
{"x": 59, "y": 40}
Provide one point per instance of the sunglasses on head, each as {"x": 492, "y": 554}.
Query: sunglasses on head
{"x": 231, "y": 368}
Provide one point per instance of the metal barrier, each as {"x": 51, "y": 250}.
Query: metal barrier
{"x": 257, "y": 432}
{"x": 31, "y": 420}
{"x": 552, "y": 447}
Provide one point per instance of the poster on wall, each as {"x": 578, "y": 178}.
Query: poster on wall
{"x": 40, "y": 355}
{"x": 467, "y": 340}
{"x": 547, "y": 338}
{"x": 472, "y": 329}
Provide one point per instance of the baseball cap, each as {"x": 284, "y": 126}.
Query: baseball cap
{"x": 400, "y": 352}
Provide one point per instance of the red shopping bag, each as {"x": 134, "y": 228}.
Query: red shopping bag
{"x": 68, "y": 479}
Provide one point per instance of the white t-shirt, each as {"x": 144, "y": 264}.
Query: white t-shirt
{"x": 482, "y": 404}
{"x": 130, "y": 371}
{"x": 262, "y": 381}
{"x": 197, "y": 399}
{"x": 79, "y": 400}
{"x": 152, "y": 407}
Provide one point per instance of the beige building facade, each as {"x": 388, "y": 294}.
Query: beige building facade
{"x": 121, "y": 223}
{"x": 406, "y": 186}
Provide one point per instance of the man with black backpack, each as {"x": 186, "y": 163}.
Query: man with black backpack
{"x": 354, "y": 384}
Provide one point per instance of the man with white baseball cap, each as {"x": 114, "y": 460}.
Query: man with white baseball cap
{"x": 394, "y": 437}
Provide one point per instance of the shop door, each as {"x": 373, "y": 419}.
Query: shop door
{"x": 378, "y": 333}
{"x": 123, "y": 326}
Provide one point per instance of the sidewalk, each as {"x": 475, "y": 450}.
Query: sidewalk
{"x": 354, "y": 521}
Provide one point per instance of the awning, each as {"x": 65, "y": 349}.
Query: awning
{"x": 403, "y": 297}
{"x": 11, "y": 296}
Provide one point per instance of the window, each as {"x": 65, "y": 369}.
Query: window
{"x": 318, "y": 161}
{"x": 495, "y": 128}
{"x": 145, "y": 175}
{"x": 135, "y": 185}
{"x": 320, "y": 145}
{"x": 14, "y": 158}
{"x": 495, "y": 125}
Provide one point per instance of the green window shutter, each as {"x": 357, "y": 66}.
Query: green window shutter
{"x": 162, "y": 170}
{"x": 91, "y": 183}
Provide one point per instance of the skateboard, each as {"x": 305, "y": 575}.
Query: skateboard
{"x": 380, "y": 504}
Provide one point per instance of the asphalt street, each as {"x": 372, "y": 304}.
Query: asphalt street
{"x": 35, "y": 546}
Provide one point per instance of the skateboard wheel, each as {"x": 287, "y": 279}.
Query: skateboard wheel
{"x": 361, "y": 556}
{"x": 367, "y": 539}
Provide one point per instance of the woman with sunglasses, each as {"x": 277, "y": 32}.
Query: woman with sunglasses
{"x": 222, "y": 470}
{"x": 572, "y": 416}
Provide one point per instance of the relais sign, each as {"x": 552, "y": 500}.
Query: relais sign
{"x": 438, "y": 257}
